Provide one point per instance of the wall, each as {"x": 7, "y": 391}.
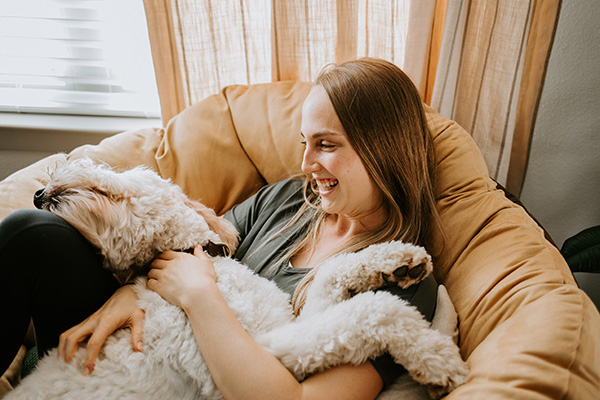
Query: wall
{"x": 20, "y": 147}
{"x": 27, "y": 138}
{"x": 562, "y": 184}
{"x": 13, "y": 160}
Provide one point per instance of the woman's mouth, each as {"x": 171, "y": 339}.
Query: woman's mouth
{"x": 326, "y": 185}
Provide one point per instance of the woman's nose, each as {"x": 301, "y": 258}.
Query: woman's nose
{"x": 308, "y": 161}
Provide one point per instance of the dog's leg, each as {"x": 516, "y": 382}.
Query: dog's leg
{"x": 381, "y": 265}
{"x": 363, "y": 327}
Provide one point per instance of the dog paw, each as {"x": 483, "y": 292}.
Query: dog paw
{"x": 406, "y": 275}
{"x": 377, "y": 266}
{"x": 455, "y": 376}
{"x": 397, "y": 264}
{"x": 437, "y": 392}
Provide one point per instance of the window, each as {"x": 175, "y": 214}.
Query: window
{"x": 78, "y": 57}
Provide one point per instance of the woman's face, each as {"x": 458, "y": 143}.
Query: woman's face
{"x": 344, "y": 185}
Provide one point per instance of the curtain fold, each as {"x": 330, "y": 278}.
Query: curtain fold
{"x": 437, "y": 33}
{"x": 165, "y": 57}
{"x": 478, "y": 82}
{"x": 418, "y": 42}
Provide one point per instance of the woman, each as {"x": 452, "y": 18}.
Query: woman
{"x": 369, "y": 166}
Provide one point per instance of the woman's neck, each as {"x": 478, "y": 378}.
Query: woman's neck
{"x": 344, "y": 226}
{"x": 334, "y": 233}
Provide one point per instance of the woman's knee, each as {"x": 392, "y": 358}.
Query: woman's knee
{"x": 35, "y": 238}
{"x": 17, "y": 225}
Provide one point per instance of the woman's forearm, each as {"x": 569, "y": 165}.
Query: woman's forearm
{"x": 239, "y": 366}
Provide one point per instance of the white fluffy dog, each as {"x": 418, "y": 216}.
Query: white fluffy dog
{"x": 133, "y": 215}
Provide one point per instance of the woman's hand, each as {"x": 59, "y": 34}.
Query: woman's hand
{"x": 178, "y": 276}
{"x": 120, "y": 311}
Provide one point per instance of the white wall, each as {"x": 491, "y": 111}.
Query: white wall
{"x": 562, "y": 183}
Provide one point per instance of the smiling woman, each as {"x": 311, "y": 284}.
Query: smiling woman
{"x": 84, "y": 58}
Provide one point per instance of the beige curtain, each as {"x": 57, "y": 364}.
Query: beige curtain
{"x": 200, "y": 46}
{"x": 490, "y": 73}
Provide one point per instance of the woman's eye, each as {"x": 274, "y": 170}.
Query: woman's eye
{"x": 325, "y": 145}
{"x": 321, "y": 144}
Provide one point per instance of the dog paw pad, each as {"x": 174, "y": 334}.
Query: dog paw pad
{"x": 405, "y": 276}
{"x": 417, "y": 271}
{"x": 401, "y": 272}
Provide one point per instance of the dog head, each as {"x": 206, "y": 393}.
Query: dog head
{"x": 130, "y": 216}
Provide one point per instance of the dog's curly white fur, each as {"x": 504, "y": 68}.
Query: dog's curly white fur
{"x": 133, "y": 215}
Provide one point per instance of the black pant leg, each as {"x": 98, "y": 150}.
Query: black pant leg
{"x": 50, "y": 273}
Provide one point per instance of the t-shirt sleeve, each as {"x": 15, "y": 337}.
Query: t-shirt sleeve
{"x": 245, "y": 215}
{"x": 260, "y": 218}
{"x": 242, "y": 215}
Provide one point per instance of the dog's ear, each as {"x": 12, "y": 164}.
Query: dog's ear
{"x": 219, "y": 225}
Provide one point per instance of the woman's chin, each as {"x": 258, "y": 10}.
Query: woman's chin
{"x": 328, "y": 206}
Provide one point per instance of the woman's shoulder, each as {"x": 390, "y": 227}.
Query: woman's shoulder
{"x": 290, "y": 185}
{"x": 273, "y": 201}
{"x": 276, "y": 194}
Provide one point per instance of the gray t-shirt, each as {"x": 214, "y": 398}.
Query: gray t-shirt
{"x": 263, "y": 215}
{"x": 258, "y": 219}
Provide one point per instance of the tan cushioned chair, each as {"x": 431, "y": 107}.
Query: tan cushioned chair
{"x": 526, "y": 330}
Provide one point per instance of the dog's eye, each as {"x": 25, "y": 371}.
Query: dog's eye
{"x": 106, "y": 193}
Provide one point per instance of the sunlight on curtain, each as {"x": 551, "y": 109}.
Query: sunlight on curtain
{"x": 309, "y": 35}
{"x": 200, "y": 46}
{"x": 222, "y": 42}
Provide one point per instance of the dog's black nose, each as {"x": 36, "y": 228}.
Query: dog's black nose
{"x": 37, "y": 198}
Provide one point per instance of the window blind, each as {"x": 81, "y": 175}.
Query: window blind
{"x": 82, "y": 57}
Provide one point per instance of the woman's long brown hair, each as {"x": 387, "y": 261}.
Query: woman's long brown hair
{"x": 384, "y": 119}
